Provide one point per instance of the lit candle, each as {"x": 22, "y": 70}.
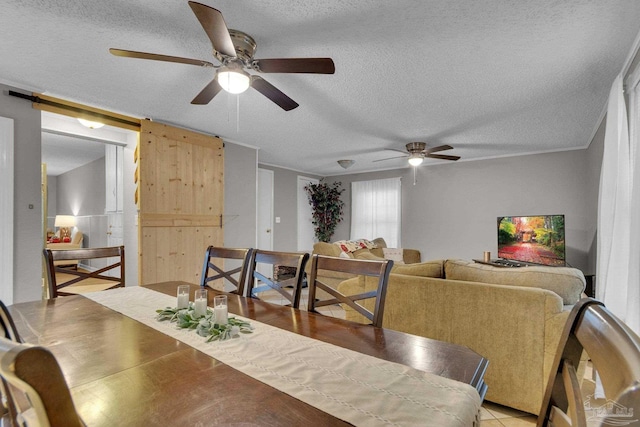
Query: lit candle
{"x": 183, "y": 297}
{"x": 200, "y": 303}
{"x": 220, "y": 310}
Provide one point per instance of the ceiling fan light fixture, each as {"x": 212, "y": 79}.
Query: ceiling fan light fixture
{"x": 90, "y": 124}
{"x": 233, "y": 80}
{"x": 346, "y": 164}
{"x": 416, "y": 160}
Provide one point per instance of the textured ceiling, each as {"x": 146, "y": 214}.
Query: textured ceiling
{"x": 491, "y": 78}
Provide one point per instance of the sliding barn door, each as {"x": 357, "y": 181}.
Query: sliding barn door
{"x": 180, "y": 178}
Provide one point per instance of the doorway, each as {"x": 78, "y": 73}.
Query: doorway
{"x": 265, "y": 210}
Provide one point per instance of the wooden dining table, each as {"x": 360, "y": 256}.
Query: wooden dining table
{"x": 122, "y": 372}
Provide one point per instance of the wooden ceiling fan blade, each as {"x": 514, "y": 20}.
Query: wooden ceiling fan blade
{"x": 157, "y": 57}
{"x": 213, "y": 24}
{"x": 439, "y": 148}
{"x": 206, "y": 95}
{"x": 295, "y": 65}
{"x": 273, "y": 93}
{"x": 443, "y": 157}
{"x": 390, "y": 158}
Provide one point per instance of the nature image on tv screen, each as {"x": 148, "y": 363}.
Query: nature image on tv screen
{"x": 534, "y": 239}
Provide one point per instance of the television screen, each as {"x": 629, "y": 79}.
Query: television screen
{"x": 532, "y": 239}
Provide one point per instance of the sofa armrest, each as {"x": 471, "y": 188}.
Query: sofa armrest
{"x": 513, "y": 327}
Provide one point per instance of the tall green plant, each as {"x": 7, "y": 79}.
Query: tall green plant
{"x": 326, "y": 208}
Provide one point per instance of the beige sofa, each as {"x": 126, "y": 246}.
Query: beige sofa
{"x": 333, "y": 278}
{"x": 512, "y": 316}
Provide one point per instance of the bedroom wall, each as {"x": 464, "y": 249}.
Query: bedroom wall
{"x": 451, "y": 212}
{"x": 81, "y": 191}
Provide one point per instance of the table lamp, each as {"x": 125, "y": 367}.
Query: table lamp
{"x": 65, "y": 222}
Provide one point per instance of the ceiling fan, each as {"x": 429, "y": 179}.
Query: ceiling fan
{"x": 234, "y": 50}
{"x": 417, "y": 151}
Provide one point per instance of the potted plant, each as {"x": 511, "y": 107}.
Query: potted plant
{"x": 326, "y": 208}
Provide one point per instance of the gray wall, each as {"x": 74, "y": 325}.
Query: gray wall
{"x": 81, "y": 191}
{"x": 451, "y": 212}
{"x": 240, "y": 192}
{"x": 593, "y": 166}
{"x": 28, "y": 233}
{"x": 285, "y": 206}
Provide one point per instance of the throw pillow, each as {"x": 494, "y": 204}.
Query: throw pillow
{"x": 365, "y": 254}
{"x": 568, "y": 283}
{"x": 394, "y": 254}
{"x": 354, "y": 245}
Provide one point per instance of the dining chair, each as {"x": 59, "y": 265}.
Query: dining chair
{"x": 37, "y": 385}
{"x": 614, "y": 350}
{"x": 366, "y": 268}
{"x": 214, "y": 260}
{"x": 259, "y": 283}
{"x": 80, "y": 281}
{"x": 8, "y": 409}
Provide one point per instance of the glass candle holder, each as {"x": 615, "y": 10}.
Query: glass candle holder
{"x": 183, "y": 296}
{"x": 220, "y": 309}
{"x": 200, "y": 303}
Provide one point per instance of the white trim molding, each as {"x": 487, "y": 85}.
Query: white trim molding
{"x": 6, "y": 210}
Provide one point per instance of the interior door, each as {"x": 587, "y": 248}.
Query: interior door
{"x": 306, "y": 233}
{"x": 180, "y": 198}
{"x": 265, "y": 216}
{"x": 265, "y": 209}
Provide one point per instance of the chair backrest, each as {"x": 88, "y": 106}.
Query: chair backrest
{"x": 8, "y": 326}
{"x": 372, "y": 268}
{"x": 614, "y": 350}
{"x": 34, "y": 372}
{"x": 258, "y": 282}
{"x": 84, "y": 278}
{"x": 214, "y": 260}
{"x": 10, "y": 333}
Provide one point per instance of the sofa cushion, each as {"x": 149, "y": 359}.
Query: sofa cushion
{"x": 568, "y": 283}
{"x": 426, "y": 269}
{"x": 366, "y": 254}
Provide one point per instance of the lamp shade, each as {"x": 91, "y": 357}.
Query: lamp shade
{"x": 233, "y": 80}
{"x": 65, "y": 221}
{"x": 415, "y": 160}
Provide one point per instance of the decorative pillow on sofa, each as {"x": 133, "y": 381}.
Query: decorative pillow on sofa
{"x": 365, "y": 254}
{"x": 424, "y": 269}
{"x": 354, "y": 245}
{"x": 394, "y": 254}
{"x": 568, "y": 283}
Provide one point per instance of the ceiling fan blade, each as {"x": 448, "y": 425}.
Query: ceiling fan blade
{"x": 273, "y": 93}
{"x": 443, "y": 157}
{"x": 206, "y": 95}
{"x": 399, "y": 151}
{"x": 156, "y": 57}
{"x": 439, "y": 148}
{"x": 213, "y": 24}
{"x": 295, "y": 65}
{"x": 390, "y": 158}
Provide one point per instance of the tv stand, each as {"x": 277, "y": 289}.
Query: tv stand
{"x": 506, "y": 263}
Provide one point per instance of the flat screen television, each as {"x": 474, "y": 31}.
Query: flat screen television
{"x": 532, "y": 239}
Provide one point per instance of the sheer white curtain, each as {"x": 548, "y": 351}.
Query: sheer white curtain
{"x": 375, "y": 210}
{"x": 618, "y": 248}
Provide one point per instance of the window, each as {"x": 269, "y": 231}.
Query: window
{"x": 375, "y": 210}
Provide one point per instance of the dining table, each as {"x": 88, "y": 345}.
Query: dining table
{"x": 125, "y": 367}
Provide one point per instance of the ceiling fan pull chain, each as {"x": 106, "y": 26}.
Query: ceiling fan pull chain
{"x": 237, "y": 113}
{"x": 414, "y": 175}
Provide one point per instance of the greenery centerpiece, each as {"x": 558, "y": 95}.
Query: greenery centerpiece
{"x": 204, "y": 326}
{"x": 326, "y": 208}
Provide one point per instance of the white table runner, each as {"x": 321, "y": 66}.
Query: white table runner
{"x": 354, "y": 387}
